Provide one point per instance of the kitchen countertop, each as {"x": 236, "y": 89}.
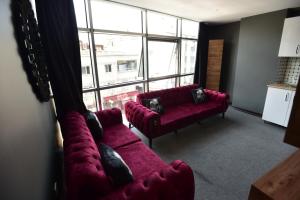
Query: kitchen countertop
{"x": 282, "y": 86}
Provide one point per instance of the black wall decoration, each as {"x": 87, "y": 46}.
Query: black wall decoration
{"x": 30, "y": 48}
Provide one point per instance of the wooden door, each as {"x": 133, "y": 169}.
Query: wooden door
{"x": 214, "y": 63}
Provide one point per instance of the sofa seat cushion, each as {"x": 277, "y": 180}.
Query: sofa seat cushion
{"x": 140, "y": 159}
{"x": 179, "y": 116}
{"x": 117, "y": 136}
{"x": 205, "y": 109}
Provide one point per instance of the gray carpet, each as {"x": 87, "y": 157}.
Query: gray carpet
{"x": 226, "y": 155}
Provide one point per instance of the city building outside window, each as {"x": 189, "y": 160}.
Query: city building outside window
{"x": 85, "y": 70}
{"x": 107, "y": 67}
{"x": 128, "y": 65}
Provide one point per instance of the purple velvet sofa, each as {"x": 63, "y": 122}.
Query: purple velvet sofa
{"x": 85, "y": 177}
{"x": 180, "y": 110}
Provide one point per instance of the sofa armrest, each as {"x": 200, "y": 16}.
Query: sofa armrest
{"x": 219, "y": 97}
{"x": 84, "y": 174}
{"x": 147, "y": 121}
{"x": 109, "y": 117}
{"x": 176, "y": 182}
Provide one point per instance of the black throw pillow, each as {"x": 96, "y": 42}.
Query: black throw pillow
{"x": 154, "y": 105}
{"x": 94, "y": 125}
{"x": 199, "y": 95}
{"x": 114, "y": 166}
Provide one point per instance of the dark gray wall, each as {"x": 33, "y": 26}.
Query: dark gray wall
{"x": 26, "y": 125}
{"x": 257, "y": 59}
{"x": 230, "y": 34}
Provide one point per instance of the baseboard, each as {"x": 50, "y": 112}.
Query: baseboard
{"x": 247, "y": 111}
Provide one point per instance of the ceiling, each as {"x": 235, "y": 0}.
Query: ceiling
{"x": 219, "y": 11}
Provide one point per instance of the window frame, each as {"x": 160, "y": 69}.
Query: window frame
{"x": 144, "y": 61}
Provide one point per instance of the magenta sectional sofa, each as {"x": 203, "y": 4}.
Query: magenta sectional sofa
{"x": 85, "y": 177}
{"x": 180, "y": 110}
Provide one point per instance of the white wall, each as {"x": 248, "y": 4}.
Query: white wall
{"x": 26, "y": 125}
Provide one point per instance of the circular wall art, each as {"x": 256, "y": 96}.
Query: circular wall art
{"x": 30, "y": 48}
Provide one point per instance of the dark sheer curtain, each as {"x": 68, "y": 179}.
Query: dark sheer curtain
{"x": 59, "y": 33}
{"x": 201, "y": 56}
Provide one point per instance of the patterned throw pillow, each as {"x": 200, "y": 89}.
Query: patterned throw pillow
{"x": 154, "y": 105}
{"x": 199, "y": 95}
{"x": 114, "y": 166}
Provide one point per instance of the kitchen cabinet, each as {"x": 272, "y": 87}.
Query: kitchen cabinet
{"x": 278, "y": 105}
{"x": 290, "y": 39}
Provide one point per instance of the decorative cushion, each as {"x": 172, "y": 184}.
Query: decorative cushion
{"x": 94, "y": 125}
{"x": 114, "y": 166}
{"x": 199, "y": 95}
{"x": 154, "y": 104}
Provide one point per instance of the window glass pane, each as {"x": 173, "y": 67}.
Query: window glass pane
{"x": 188, "y": 56}
{"x": 162, "y": 84}
{"x": 163, "y": 58}
{"x": 86, "y": 66}
{"x": 117, "y": 97}
{"x": 190, "y": 29}
{"x": 113, "y": 16}
{"x": 118, "y": 58}
{"x": 90, "y": 101}
{"x": 161, "y": 24}
{"x": 79, "y": 7}
{"x": 186, "y": 80}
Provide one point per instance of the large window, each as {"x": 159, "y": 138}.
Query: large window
{"x": 127, "y": 50}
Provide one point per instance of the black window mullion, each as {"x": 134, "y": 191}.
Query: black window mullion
{"x": 94, "y": 55}
{"x": 179, "y": 61}
{"x": 147, "y": 51}
{"x": 144, "y": 52}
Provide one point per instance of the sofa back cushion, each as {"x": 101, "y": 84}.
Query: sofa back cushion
{"x": 109, "y": 117}
{"x": 170, "y": 97}
{"x": 85, "y": 177}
